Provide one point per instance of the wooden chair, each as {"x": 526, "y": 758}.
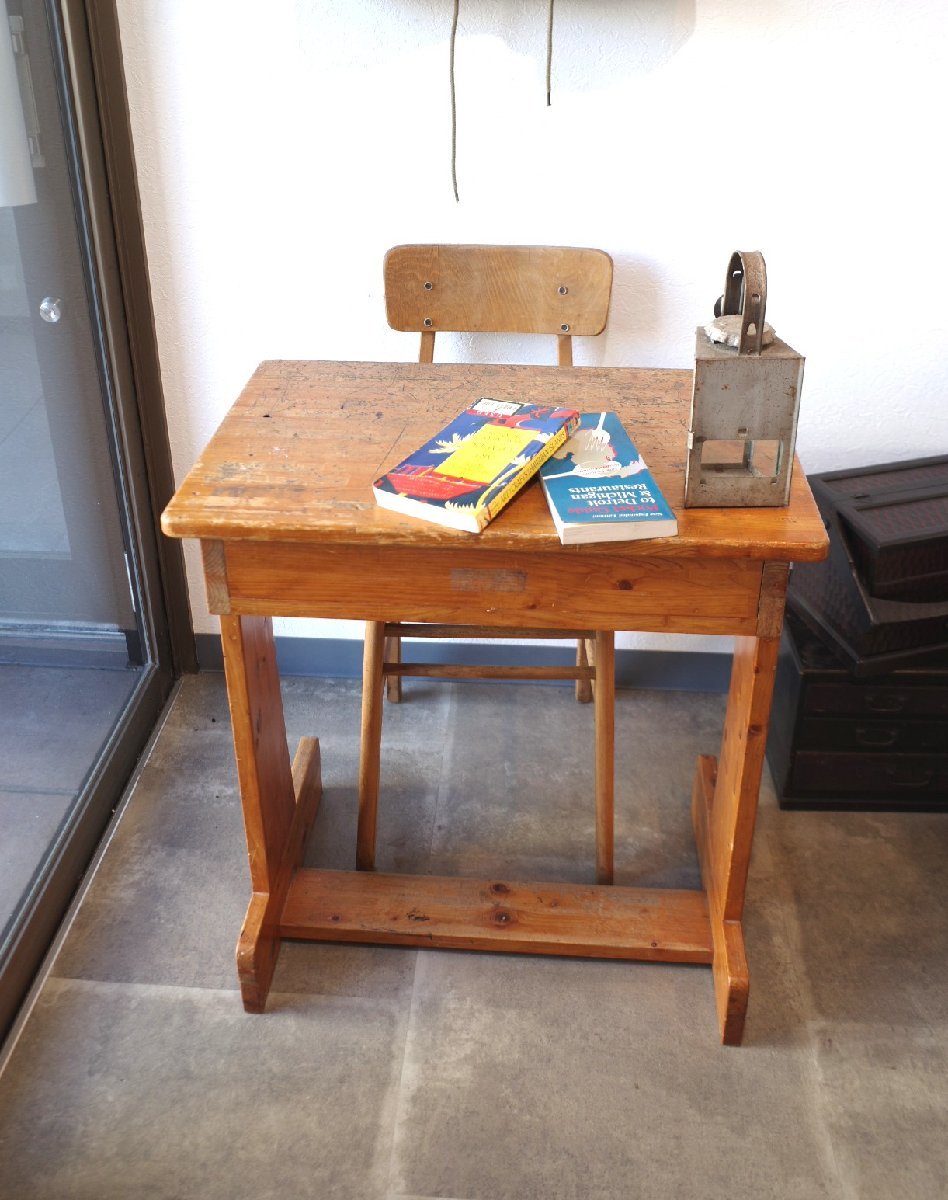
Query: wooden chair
{"x": 555, "y": 290}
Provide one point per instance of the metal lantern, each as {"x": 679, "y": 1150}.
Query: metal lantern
{"x": 745, "y": 401}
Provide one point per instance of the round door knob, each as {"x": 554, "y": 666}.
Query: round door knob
{"x": 51, "y": 310}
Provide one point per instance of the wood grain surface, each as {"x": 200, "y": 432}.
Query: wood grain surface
{"x": 295, "y": 458}
{"x": 468, "y": 587}
{"x": 657, "y": 925}
{"x": 498, "y": 289}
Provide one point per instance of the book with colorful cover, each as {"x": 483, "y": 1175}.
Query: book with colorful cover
{"x": 465, "y": 475}
{"x": 600, "y": 490}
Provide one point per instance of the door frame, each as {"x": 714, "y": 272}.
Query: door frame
{"x": 93, "y": 45}
{"x": 86, "y": 47}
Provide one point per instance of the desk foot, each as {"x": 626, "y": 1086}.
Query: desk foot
{"x": 257, "y": 951}
{"x": 729, "y": 962}
{"x": 731, "y": 980}
{"x": 259, "y": 943}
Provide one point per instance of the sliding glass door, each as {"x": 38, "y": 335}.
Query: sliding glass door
{"x": 83, "y": 648}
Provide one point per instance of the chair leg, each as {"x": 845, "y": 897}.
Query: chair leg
{"x": 393, "y": 684}
{"x": 584, "y": 691}
{"x": 370, "y": 749}
{"x": 605, "y": 753}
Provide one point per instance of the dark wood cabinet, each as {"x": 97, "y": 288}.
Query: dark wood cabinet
{"x": 837, "y": 741}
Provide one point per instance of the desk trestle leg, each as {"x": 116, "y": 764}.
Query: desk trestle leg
{"x": 724, "y": 809}
{"x": 279, "y": 800}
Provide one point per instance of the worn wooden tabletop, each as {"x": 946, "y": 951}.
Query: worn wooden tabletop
{"x": 295, "y": 458}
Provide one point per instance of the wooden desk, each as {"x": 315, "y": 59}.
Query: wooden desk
{"x": 281, "y": 501}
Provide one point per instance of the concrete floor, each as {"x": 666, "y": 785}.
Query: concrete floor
{"x": 389, "y": 1074}
{"x": 53, "y": 724}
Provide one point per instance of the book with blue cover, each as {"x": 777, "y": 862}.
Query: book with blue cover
{"x": 465, "y": 475}
{"x": 600, "y": 490}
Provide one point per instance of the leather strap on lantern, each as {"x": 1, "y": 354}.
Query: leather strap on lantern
{"x": 745, "y": 295}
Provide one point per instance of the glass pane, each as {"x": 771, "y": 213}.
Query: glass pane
{"x": 71, "y": 646}
{"x": 32, "y": 519}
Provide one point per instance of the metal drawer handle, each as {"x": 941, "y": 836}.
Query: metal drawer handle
{"x": 922, "y": 781}
{"x": 885, "y": 703}
{"x": 875, "y": 736}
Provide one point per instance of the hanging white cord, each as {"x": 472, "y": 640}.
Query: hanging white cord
{"x": 549, "y": 53}
{"x": 454, "y": 105}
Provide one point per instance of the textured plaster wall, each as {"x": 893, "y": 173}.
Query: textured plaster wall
{"x": 283, "y": 147}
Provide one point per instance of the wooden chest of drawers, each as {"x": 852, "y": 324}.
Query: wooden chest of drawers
{"x": 838, "y": 741}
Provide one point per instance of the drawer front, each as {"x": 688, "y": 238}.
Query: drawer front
{"x": 876, "y": 700}
{"x": 897, "y": 776}
{"x": 872, "y": 734}
{"x": 471, "y": 587}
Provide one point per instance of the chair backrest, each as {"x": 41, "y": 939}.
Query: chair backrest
{"x": 561, "y": 290}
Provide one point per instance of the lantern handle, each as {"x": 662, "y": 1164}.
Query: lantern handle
{"x": 745, "y": 294}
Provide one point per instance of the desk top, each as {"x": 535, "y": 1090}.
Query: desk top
{"x": 295, "y": 458}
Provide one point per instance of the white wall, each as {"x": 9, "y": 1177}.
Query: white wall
{"x": 282, "y": 147}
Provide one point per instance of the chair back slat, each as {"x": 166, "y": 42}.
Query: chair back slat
{"x": 560, "y": 290}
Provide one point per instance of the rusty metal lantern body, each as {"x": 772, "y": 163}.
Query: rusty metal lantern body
{"x": 745, "y": 401}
